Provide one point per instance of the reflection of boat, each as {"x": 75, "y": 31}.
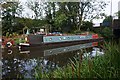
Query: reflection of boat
{"x": 55, "y": 54}
{"x": 69, "y": 48}
{"x": 46, "y": 52}
{"x": 42, "y": 40}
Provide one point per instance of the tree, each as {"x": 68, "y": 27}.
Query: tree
{"x": 50, "y": 12}
{"x": 87, "y": 26}
{"x": 60, "y": 21}
{"x": 10, "y": 10}
{"x": 65, "y": 18}
{"x": 36, "y": 7}
{"x": 77, "y": 12}
{"x": 107, "y": 22}
{"x": 72, "y": 14}
{"x": 90, "y": 9}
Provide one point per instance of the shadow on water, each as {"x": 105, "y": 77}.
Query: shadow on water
{"x": 17, "y": 63}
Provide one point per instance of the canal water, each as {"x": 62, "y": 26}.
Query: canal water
{"x": 22, "y": 63}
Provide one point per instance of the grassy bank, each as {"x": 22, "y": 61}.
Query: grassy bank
{"x": 106, "y": 66}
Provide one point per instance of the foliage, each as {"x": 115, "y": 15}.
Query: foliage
{"x": 75, "y": 12}
{"x": 87, "y": 26}
{"x": 107, "y": 32}
{"x": 77, "y": 32}
{"x": 26, "y": 22}
{"x": 119, "y": 14}
{"x": 108, "y": 18}
{"x": 9, "y": 12}
{"x": 50, "y": 12}
{"x": 60, "y": 21}
{"x": 106, "y": 66}
{"x": 19, "y": 40}
{"x": 36, "y": 7}
{"x": 107, "y": 21}
{"x": 65, "y": 16}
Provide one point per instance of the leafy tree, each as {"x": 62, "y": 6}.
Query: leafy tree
{"x": 107, "y": 22}
{"x": 90, "y": 9}
{"x": 72, "y": 14}
{"x": 36, "y": 7}
{"x": 87, "y": 26}
{"x": 9, "y": 12}
{"x": 69, "y": 21}
{"x": 50, "y": 12}
{"x": 31, "y": 23}
{"x": 60, "y": 21}
{"x": 77, "y": 12}
{"x": 26, "y": 22}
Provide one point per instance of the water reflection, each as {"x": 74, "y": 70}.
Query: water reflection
{"x": 25, "y": 68}
{"x": 67, "y": 49}
{"x": 95, "y": 52}
{"x": 23, "y": 63}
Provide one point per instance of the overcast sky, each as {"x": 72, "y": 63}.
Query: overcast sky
{"x": 114, "y": 7}
{"x": 107, "y": 10}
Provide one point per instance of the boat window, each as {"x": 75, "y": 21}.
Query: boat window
{"x": 64, "y": 38}
{"x": 68, "y": 37}
{"x": 60, "y": 38}
{"x": 50, "y": 39}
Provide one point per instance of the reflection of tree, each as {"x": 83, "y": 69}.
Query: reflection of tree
{"x": 24, "y": 68}
{"x": 11, "y": 68}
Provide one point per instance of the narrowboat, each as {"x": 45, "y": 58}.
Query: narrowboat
{"x": 58, "y": 40}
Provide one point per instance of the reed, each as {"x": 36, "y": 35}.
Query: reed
{"x": 105, "y": 66}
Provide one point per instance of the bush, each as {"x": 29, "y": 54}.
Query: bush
{"x": 107, "y": 32}
{"x": 7, "y": 34}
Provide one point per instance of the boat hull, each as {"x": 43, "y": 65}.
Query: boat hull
{"x": 59, "y": 44}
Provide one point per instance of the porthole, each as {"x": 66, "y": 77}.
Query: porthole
{"x": 64, "y": 38}
{"x": 60, "y": 38}
{"x": 68, "y": 37}
{"x": 50, "y": 39}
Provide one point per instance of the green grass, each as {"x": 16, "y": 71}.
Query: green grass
{"x": 106, "y": 66}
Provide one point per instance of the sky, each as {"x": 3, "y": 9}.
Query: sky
{"x": 114, "y": 7}
{"x": 107, "y": 9}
